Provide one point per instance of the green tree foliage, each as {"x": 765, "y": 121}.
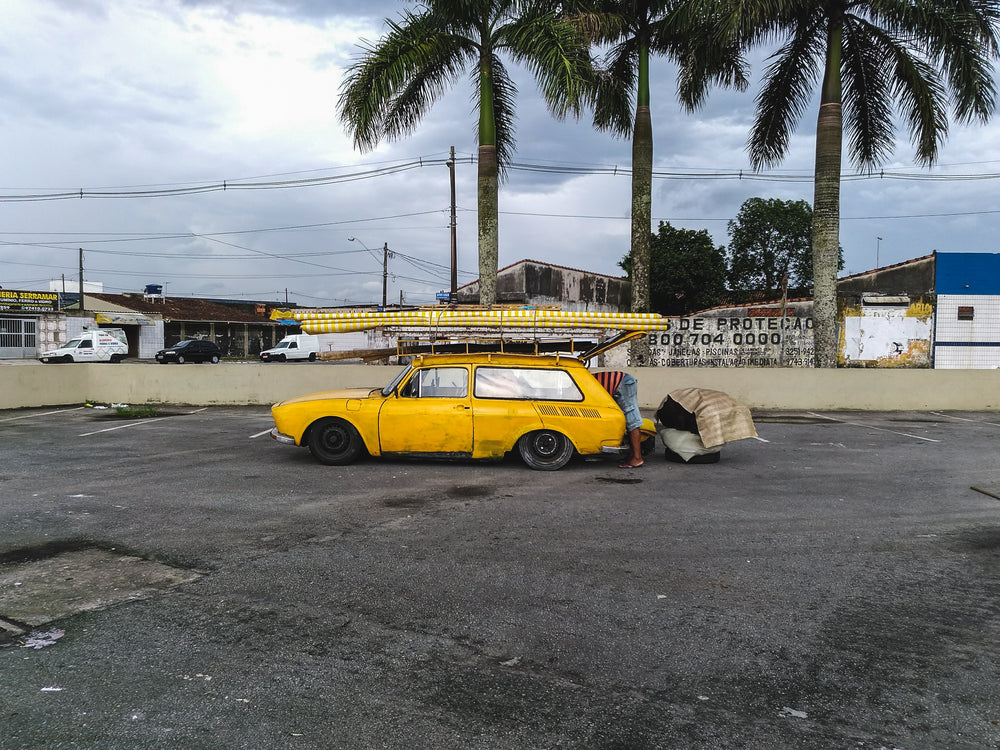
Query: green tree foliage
{"x": 390, "y": 88}
{"x": 687, "y": 272}
{"x": 769, "y": 238}
{"x": 871, "y": 59}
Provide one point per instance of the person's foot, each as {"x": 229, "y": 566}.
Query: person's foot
{"x": 630, "y": 464}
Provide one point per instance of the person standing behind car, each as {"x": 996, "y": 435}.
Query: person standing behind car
{"x": 625, "y": 391}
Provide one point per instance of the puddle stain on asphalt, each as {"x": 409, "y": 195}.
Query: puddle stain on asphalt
{"x": 35, "y": 590}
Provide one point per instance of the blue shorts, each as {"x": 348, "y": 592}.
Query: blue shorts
{"x": 627, "y": 398}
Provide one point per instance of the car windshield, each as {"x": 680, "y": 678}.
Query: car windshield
{"x": 281, "y": 345}
{"x": 71, "y": 344}
{"x": 181, "y": 344}
{"x": 396, "y": 380}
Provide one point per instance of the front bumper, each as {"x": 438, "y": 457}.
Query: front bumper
{"x": 282, "y": 437}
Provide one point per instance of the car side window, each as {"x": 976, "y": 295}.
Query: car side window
{"x": 498, "y": 382}
{"x": 438, "y": 382}
{"x": 525, "y": 383}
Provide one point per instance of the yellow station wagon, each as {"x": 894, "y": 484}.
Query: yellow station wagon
{"x": 462, "y": 406}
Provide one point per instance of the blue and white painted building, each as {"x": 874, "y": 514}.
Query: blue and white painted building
{"x": 967, "y": 320}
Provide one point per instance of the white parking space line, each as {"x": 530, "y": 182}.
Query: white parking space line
{"x": 135, "y": 424}
{"x": 964, "y": 419}
{"x": 872, "y": 427}
{"x": 43, "y": 414}
{"x": 123, "y": 426}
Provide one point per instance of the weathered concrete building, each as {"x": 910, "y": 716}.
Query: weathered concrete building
{"x": 529, "y": 282}
{"x": 886, "y": 316}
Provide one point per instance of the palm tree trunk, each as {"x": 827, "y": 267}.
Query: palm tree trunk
{"x": 642, "y": 202}
{"x": 488, "y": 210}
{"x": 826, "y": 207}
{"x": 489, "y": 234}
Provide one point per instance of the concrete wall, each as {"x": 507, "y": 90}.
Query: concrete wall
{"x": 34, "y": 384}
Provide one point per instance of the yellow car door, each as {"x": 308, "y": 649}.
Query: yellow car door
{"x": 430, "y": 413}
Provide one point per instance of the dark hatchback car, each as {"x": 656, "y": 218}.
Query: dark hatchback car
{"x": 189, "y": 350}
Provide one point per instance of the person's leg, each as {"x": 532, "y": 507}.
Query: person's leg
{"x": 627, "y": 397}
{"x": 634, "y": 437}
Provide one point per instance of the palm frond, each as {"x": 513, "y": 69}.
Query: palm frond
{"x": 615, "y": 88}
{"x": 392, "y": 85}
{"x": 867, "y": 97}
{"x": 558, "y": 55}
{"x": 788, "y": 84}
{"x": 958, "y": 37}
{"x": 704, "y": 56}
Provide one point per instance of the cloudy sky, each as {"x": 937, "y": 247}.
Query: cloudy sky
{"x": 147, "y": 108}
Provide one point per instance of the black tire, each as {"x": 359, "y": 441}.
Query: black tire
{"x": 116, "y": 358}
{"x": 180, "y": 359}
{"x": 215, "y": 359}
{"x": 282, "y": 357}
{"x": 648, "y": 445}
{"x": 312, "y": 356}
{"x": 68, "y": 358}
{"x": 545, "y": 450}
{"x": 334, "y": 442}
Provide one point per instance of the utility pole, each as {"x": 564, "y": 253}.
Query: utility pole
{"x": 385, "y": 271}
{"x": 81, "y": 280}
{"x": 454, "y": 224}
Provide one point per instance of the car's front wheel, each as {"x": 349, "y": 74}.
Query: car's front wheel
{"x": 180, "y": 359}
{"x": 545, "y": 450}
{"x": 334, "y": 442}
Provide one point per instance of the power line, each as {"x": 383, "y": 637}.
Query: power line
{"x": 163, "y": 191}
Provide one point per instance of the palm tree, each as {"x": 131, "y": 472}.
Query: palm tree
{"x": 636, "y": 30}
{"x": 396, "y": 81}
{"x": 875, "y": 57}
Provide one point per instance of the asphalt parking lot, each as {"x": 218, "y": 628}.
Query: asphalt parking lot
{"x": 835, "y": 584}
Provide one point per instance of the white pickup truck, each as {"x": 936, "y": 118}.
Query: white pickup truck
{"x": 97, "y": 345}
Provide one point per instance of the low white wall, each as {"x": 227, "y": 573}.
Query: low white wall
{"x": 35, "y": 384}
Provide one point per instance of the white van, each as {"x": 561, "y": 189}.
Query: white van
{"x": 296, "y": 346}
{"x": 97, "y": 345}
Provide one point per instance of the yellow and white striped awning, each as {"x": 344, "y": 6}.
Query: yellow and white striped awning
{"x": 317, "y": 321}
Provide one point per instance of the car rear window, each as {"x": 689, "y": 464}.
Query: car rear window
{"x": 525, "y": 383}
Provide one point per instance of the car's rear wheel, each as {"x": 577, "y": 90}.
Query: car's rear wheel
{"x": 334, "y": 442}
{"x": 545, "y": 450}
{"x": 215, "y": 359}
{"x": 312, "y": 356}
{"x": 116, "y": 358}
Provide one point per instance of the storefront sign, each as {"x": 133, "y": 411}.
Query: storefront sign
{"x": 14, "y": 300}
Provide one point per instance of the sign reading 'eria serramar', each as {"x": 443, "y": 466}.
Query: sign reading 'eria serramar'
{"x": 15, "y": 300}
